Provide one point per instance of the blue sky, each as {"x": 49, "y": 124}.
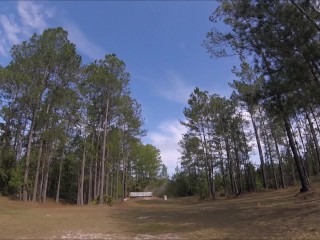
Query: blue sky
{"x": 160, "y": 42}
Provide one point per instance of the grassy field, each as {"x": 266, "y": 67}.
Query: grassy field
{"x": 266, "y": 215}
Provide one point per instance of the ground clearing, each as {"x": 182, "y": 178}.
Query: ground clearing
{"x": 266, "y": 215}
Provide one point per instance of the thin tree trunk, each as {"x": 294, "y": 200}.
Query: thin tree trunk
{"x": 35, "y": 187}
{"x": 208, "y": 168}
{"x": 236, "y": 152}
{"x": 83, "y": 163}
{"x": 272, "y": 163}
{"x": 124, "y": 180}
{"x": 20, "y": 141}
{"x": 117, "y": 183}
{"x": 256, "y": 133}
{"x": 103, "y": 159}
{"x": 315, "y": 164}
{"x": 42, "y": 175}
{"x": 232, "y": 184}
{"x": 26, "y": 172}
{"x": 78, "y": 192}
{"x": 314, "y": 137}
{"x": 283, "y": 184}
{"x": 59, "y": 178}
{"x": 107, "y": 173}
{"x": 222, "y": 170}
{"x": 90, "y": 183}
{"x": 316, "y": 121}
{"x": 96, "y": 179}
{"x": 303, "y": 178}
{"x": 45, "y": 185}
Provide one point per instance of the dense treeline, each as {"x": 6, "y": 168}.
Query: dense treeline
{"x": 274, "y": 107}
{"x": 70, "y": 130}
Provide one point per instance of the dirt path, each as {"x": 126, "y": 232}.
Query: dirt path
{"x": 267, "y": 215}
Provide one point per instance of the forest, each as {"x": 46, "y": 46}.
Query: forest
{"x": 70, "y": 130}
{"x": 266, "y": 135}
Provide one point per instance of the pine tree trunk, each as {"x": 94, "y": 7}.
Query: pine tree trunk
{"x": 95, "y": 183}
{"x": 98, "y": 181}
{"x": 222, "y": 170}
{"x": 107, "y": 173}
{"x": 303, "y": 178}
{"x": 46, "y": 177}
{"x": 103, "y": 159}
{"x": 299, "y": 154}
{"x": 26, "y": 172}
{"x": 78, "y": 192}
{"x": 117, "y": 183}
{"x": 90, "y": 183}
{"x": 35, "y": 187}
{"x": 207, "y": 166}
{"x": 236, "y": 152}
{"x": 314, "y": 137}
{"x": 112, "y": 182}
{"x": 315, "y": 119}
{"x": 283, "y": 183}
{"x": 272, "y": 163}
{"x": 19, "y": 139}
{"x": 230, "y": 168}
{"x": 59, "y": 178}
{"x": 256, "y": 133}
{"x": 82, "y": 175}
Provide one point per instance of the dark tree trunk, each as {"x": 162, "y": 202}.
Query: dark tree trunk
{"x": 83, "y": 163}
{"x": 283, "y": 183}
{"x": 45, "y": 183}
{"x": 222, "y": 170}
{"x": 236, "y": 152}
{"x": 272, "y": 163}
{"x": 314, "y": 137}
{"x": 35, "y": 187}
{"x": 90, "y": 183}
{"x": 26, "y": 172}
{"x": 103, "y": 158}
{"x": 95, "y": 183}
{"x": 256, "y": 133}
{"x": 59, "y": 178}
{"x": 303, "y": 178}
{"x": 230, "y": 168}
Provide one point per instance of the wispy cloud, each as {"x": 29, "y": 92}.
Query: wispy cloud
{"x": 33, "y": 16}
{"x": 166, "y": 139}
{"x": 175, "y": 88}
{"x": 10, "y": 28}
{"x": 30, "y": 17}
{"x": 82, "y": 42}
{"x": 3, "y": 46}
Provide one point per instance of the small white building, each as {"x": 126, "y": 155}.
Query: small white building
{"x": 140, "y": 194}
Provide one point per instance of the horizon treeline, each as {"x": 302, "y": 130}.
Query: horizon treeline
{"x": 68, "y": 130}
{"x": 274, "y": 107}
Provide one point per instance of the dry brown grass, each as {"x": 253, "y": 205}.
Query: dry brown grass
{"x": 272, "y": 214}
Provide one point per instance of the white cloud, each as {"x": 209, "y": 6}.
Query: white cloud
{"x": 166, "y": 139}
{"x": 33, "y": 15}
{"x": 3, "y": 47}
{"x": 175, "y": 89}
{"x": 10, "y": 28}
{"x": 82, "y": 42}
